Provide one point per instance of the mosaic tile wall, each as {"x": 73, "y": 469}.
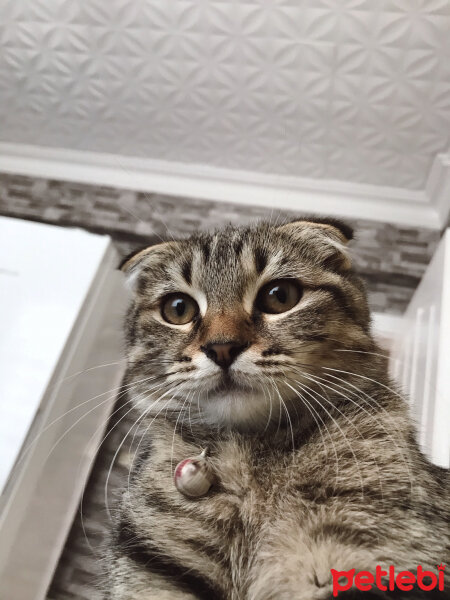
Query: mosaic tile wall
{"x": 391, "y": 259}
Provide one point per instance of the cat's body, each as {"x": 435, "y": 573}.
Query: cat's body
{"x": 315, "y": 458}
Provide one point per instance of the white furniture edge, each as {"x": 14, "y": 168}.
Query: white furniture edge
{"x": 429, "y": 207}
{"x": 24, "y": 523}
{"x": 386, "y": 327}
{"x": 441, "y": 425}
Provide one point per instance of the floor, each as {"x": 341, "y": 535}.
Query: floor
{"x": 391, "y": 260}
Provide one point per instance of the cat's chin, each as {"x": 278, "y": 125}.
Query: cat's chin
{"x": 231, "y": 401}
{"x": 235, "y": 406}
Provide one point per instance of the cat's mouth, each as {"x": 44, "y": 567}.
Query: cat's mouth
{"x": 229, "y": 384}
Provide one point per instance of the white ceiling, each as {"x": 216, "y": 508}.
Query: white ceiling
{"x": 354, "y": 90}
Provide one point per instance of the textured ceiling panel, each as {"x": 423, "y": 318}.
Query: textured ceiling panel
{"x": 357, "y": 90}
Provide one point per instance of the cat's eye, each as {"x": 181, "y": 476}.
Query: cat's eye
{"x": 278, "y": 296}
{"x": 179, "y": 309}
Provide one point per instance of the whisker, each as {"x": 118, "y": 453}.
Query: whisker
{"x": 287, "y": 415}
{"x": 174, "y": 432}
{"x": 367, "y": 379}
{"x": 84, "y": 371}
{"x": 98, "y": 447}
{"x": 190, "y": 418}
{"x": 119, "y": 447}
{"x": 269, "y": 418}
{"x": 121, "y": 387}
{"x": 133, "y": 460}
{"x": 306, "y": 390}
{"x": 389, "y": 436}
{"x": 312, "y": 378}
{"x": 69, "y": 429}
{"x": 172, "y": 388}
{"x": 364, "y": 352}
{"x": 314, "y": 413}
{"x": 121, "y": 407}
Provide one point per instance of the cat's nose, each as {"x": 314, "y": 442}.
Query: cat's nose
{"x": 223, "y": 354}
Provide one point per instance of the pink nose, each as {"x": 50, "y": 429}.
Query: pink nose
{"x": 223, "y": 354}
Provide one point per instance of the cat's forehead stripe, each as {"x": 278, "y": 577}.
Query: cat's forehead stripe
{"x": 261, "y": 258}
{"x": 206, "y": 249}
{"x": 186, "y": 270}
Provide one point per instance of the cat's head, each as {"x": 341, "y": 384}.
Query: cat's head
{"x": 233, "y": 327}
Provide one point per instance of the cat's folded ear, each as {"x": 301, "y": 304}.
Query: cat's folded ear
{"x": 133, "y": 262}
{"x": 329, "y": 236}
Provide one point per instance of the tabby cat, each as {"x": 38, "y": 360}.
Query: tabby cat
{"x": 255, "y": 344}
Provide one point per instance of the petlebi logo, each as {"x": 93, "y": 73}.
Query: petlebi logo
{"x": 388, "y": 580}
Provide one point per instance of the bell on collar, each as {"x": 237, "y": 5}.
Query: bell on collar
{"x": 193, "y": 476}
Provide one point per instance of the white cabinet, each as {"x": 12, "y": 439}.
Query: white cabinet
{"x": 421, "y": 357}
{"x": 57, "y": 318}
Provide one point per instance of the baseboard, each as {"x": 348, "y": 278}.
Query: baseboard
{"x": 338, "y": 198}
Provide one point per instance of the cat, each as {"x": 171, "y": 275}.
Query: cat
{"x": 255, "y": 344}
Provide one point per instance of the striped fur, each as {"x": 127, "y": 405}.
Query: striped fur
{"x": 315, "y": 455}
